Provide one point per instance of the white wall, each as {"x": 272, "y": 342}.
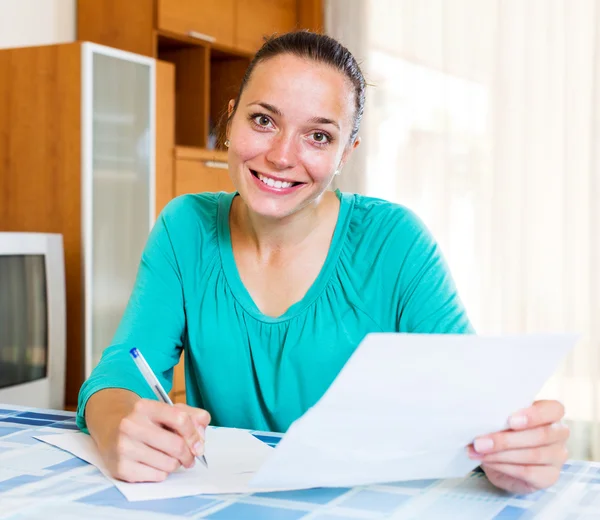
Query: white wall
{"x": 37, "y": 22}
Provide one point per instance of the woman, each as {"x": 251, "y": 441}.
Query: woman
{"x": 270, "y": 289}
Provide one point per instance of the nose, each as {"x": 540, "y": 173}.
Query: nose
{"x": 282, "y": 154}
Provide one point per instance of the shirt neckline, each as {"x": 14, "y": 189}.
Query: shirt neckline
{"x": 234, "y": 280}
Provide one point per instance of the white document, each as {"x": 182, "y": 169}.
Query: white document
{"x": 232, "y": 456}
{"x": 405, "y": 406}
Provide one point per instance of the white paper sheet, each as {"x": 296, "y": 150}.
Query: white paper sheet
{"x": 405, "y": 407}
{"x": 232, "y": 456}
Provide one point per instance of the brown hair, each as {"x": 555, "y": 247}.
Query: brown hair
{"x": 317, "y": 47}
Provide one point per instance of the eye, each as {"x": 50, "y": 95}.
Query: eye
{"x": 321, "y": 138}
{"x": 261, "y": 120}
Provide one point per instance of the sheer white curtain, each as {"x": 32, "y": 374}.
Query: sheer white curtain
{"x": 484, "y": 117}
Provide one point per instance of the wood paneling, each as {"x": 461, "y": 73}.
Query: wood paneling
{"x": 165, "y": 133}
{"x": 40, "y": 166}
{"x": 191, "y": 94}
{"x": 124, "y": 24}
{"x": 204, "y": 17}
{"x": 258, "y": 18}
{"x": 310, "y": 15}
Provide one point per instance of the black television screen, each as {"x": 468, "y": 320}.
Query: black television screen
{"x": 23, "y": 319}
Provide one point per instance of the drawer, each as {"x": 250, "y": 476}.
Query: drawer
{"x": 204, "y": 19}
{"x": 198, "y": 172}
{"x": 258, "y": 18}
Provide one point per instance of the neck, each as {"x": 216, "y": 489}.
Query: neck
{"x": 269, "y": 236}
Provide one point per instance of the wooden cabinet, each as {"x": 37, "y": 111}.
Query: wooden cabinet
{"x": 259, "y": 18}
{"x": 203, "y": 19}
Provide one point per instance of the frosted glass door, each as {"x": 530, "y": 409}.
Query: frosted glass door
{"x": 122, "y": 144}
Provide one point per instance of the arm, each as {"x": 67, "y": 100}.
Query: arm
{"x": 529, "y": 454}
{"x": 154, "y": 322}
{"x": 425, "y": 293}
{"x": 138, "y": 437}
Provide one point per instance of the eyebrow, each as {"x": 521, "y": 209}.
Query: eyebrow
{"x": 276, "y": 111}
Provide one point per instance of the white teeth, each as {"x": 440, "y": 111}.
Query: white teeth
{"x": 273, "y": 183}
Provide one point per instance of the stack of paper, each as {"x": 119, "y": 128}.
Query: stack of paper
{"x": 404, "y": 407}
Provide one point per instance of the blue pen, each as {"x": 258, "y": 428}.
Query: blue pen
{"x": 154, "y": 384}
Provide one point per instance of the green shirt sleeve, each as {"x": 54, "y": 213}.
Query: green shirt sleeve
{"x": 427, "y": 297}
{"x": 153, "y": 322}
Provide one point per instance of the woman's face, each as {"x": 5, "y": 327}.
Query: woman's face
{"x": 289, "y": 134}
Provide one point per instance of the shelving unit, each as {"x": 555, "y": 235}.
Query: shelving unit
{"x": 210, "y": 43}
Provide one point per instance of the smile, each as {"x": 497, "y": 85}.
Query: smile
{"x": 274, "y": 183}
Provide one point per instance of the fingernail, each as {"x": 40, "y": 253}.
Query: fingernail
{"x": 472, "y": 454}
{"x": 202, "y": 433}
{"x": 517, "y": 421}
{"x": 483, "y": 445}
{"x": 199, "y": 448}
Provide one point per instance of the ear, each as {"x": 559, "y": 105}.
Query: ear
{"x": 230, "y": 107}
{"x": 348, "y": 152}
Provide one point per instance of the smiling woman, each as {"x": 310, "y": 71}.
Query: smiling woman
{"x": 270, "y": 289}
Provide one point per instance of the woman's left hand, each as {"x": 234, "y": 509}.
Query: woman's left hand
{"x": 528, "y": 456}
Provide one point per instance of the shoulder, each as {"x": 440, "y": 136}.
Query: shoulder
{"x": 191, "y": 207}
{"x": 189, "y": 223}
{"x": 387, "y": 224}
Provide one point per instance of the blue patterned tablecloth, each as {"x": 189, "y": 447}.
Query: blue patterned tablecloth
{"x": 38, "y": 481}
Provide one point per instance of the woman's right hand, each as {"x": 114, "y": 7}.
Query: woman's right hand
{"x": 152, "y": 440}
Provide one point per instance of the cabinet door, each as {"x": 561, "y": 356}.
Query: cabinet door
{"x": 258, "y": 18}
{"x": 118, "y": 176}
{"x": 126, "y": 25}
{"x": 198, "y": 18}
{"x": 196, "y": 176}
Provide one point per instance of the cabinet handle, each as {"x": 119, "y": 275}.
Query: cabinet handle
{"x": 201, "y": 36}
{"x": 217, "y": 164}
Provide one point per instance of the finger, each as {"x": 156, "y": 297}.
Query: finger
{"x": 146, "y": 432}
{"x": 510, "y": 440}
{"x": 539, "y": 477}
{"x": 200, "y": 418}
{"x": 539, "y": 414}
{"x": 144, "y": 454}
{"x": 553, "y": 455}
{"x": 173, "y": 418}
{"x": 133, "y": 471}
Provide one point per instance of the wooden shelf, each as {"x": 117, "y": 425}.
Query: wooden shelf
{"x": 167, "y": 41}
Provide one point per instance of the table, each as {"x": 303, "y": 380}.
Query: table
{"x": 38, "y": 481}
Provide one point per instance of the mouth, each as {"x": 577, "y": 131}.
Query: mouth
{"x": 273, "y": 183}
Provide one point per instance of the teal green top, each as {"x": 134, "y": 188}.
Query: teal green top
{"x": 383, "y": 273}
